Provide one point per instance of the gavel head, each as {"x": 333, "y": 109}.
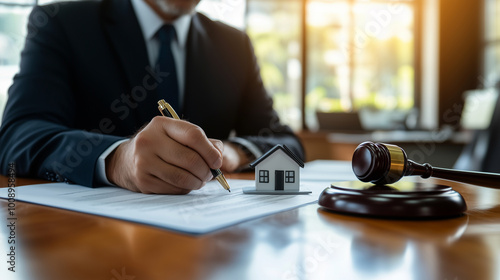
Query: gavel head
{"x": 379, "y": 163}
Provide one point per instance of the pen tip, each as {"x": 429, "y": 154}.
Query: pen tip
{"x": 222, "y": 180}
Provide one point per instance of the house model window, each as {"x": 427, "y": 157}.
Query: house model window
{"x": 264, "y": 176}
{"x": 277, "y": 172}
{"x": 290, "y": 177}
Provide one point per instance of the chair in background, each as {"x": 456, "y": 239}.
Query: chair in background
{"x": 483, "y": 153}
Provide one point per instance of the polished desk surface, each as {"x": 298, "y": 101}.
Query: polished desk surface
{"x": 304, "y": 243}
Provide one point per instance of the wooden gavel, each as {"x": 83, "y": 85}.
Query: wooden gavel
{"x": 381, "y": 164}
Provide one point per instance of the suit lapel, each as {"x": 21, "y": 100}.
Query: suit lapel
{"x": 126, "y": 39}
{"x": 196, "y": 47}
{"x": 211, "y": 88}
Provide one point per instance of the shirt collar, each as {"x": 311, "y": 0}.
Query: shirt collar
{"x": 150, "y": 22}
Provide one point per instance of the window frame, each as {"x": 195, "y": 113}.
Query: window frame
{"x": 264, "y": 176}
{"x": 290, "y": 176}
{"x": 304, "y": 48}
{"x": 487, "y": 43}
{"x": 416, "y": 6}
{"x": 14, "y": 4}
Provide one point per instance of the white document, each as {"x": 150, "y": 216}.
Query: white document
{"x": 327, "y": 171}
{"x": 201, "y": 211}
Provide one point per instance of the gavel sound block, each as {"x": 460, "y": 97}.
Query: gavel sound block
{"x": 382, "y": 164}
{"x": 401, "y": 200}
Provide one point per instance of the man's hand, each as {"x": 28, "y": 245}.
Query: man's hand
{"x": 234, "y": 158}
{"x": 168, "y": 156}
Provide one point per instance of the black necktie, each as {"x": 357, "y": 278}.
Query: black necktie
{"x": 168, "y": 88}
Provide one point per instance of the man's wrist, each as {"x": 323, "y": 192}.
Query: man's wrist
{"x": 101, "y": 166}
{"x": 245, "y": 154}
{"x": 249, "y": 148}
{"x": 111, "y": 162}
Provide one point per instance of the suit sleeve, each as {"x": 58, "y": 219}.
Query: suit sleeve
{"x": 258, "y": 122}
{"x": 38, "y": 130}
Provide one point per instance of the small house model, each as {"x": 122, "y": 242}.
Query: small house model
{"x": 277, "y": 172}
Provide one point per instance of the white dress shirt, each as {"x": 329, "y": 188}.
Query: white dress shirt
{"x": 150, "y": 23}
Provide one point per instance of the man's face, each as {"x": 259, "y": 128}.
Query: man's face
{"x": 174, "y": 8}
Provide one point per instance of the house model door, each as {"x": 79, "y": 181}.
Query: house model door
{"x": 279, "y": 180}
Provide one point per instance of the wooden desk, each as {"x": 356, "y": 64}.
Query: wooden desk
{"x": 305, "y": 243}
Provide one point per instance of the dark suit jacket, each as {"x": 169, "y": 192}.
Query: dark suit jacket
{"x": 85, "y": 82}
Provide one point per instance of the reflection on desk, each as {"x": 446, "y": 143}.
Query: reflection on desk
{"x": 304, "y": 243}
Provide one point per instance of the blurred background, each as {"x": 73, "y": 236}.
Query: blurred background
{"x": 345, "y": 71}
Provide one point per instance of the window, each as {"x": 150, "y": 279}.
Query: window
{"x": 314, "y": 55}
{"x": 275, "y": 30}
{"x": 358, "y": 55}
{"x": 13, "y": 21}
{"x": 263, "y": 176}
{"x": 491, "y": 51}
{"x": 231, "y": 12}
{"x": 290, "y": 176}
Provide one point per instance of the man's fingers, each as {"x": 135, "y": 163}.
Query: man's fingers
{"x": 167, "y": 156}
{"x": 154, "y": 185}
{"x": 193, "y": 137}
{"x": 157, "y": 176}
{"x": 175, "y": 157}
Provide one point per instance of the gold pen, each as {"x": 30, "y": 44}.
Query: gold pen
{"x": 167, "y": 111}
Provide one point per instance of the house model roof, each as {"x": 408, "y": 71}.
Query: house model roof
{"x": 285, "y": 149}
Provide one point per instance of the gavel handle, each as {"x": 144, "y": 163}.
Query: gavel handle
{"x": 485, "y": 179}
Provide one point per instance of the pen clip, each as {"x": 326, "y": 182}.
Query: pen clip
{"x": 165, "y": 108}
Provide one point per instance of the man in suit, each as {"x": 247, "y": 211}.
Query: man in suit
{"x": 82, "y": 108}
